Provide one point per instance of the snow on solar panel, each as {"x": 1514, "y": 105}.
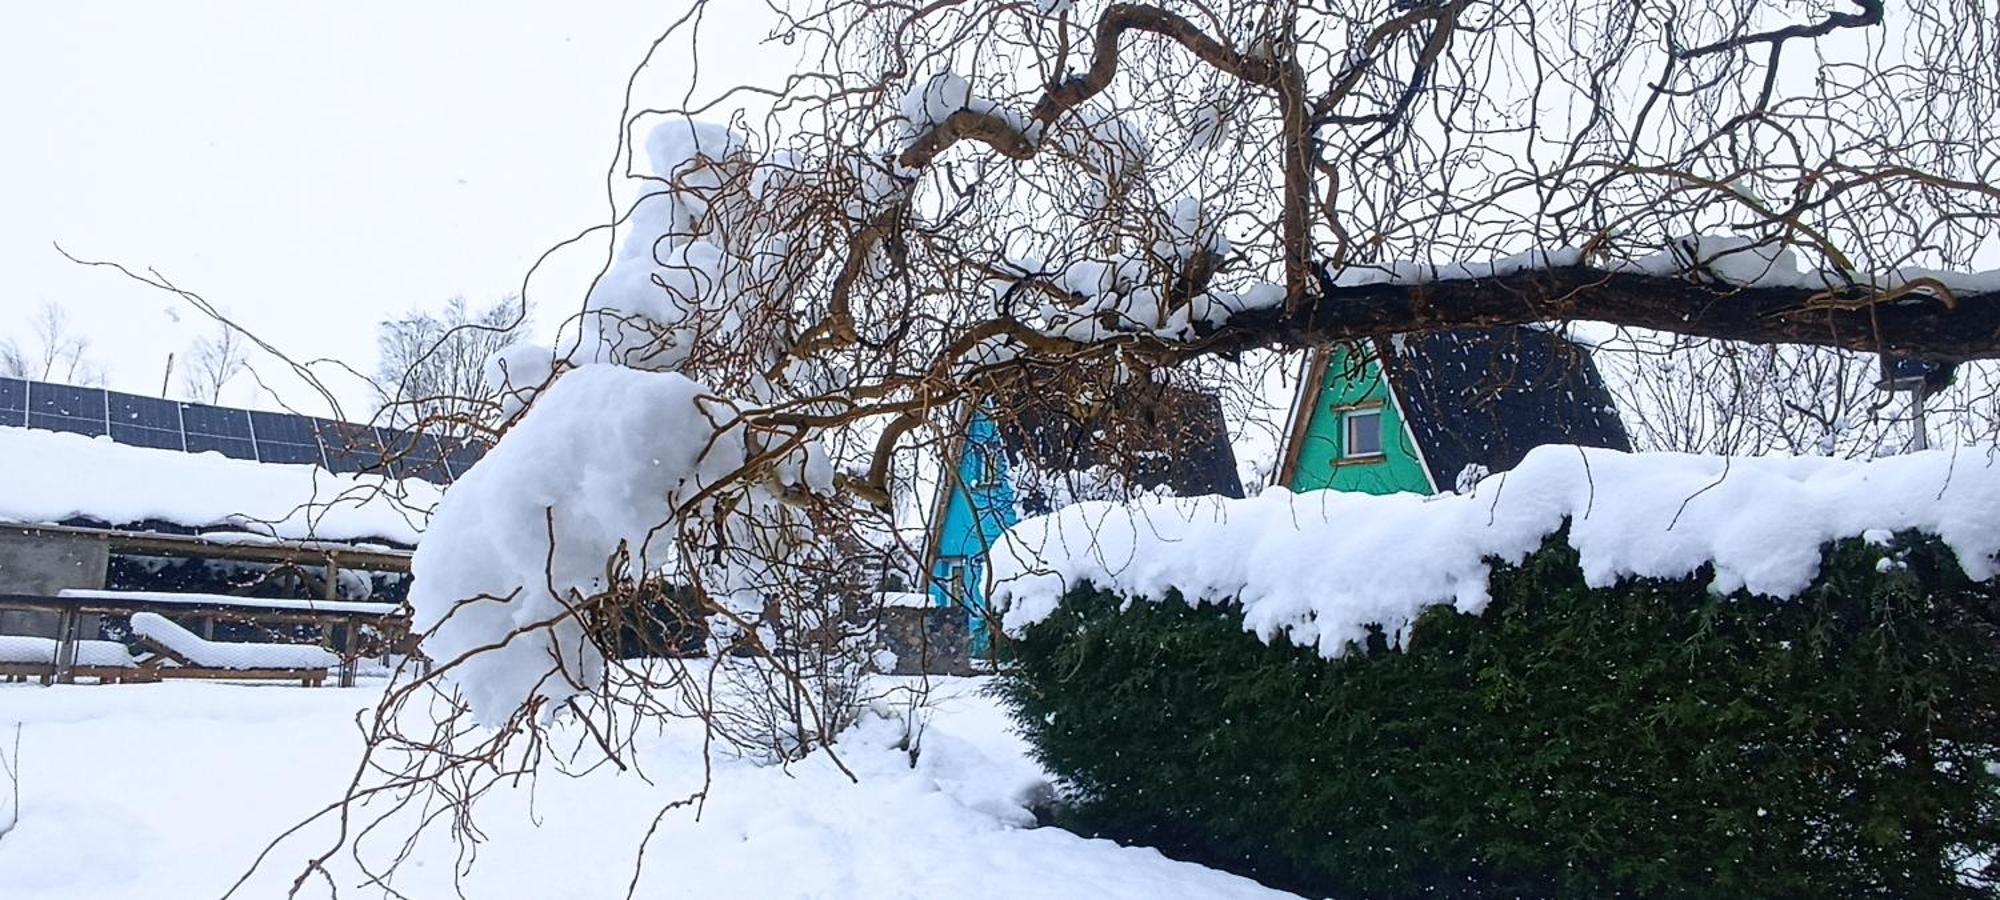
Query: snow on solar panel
{"x": 219, "y": 429}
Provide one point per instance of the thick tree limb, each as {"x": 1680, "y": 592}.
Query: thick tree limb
{"x": 1870, "y": 15}
{"x": 1945, "y": 329}
{"x": 1073, "y": 92}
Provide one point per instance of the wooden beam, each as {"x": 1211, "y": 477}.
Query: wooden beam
{"x": 312, "y": 553}
{"x": 1916, "y": 323}
{"x": 245, "y": 611}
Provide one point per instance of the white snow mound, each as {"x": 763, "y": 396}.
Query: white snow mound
{"x": 603, "y": 456}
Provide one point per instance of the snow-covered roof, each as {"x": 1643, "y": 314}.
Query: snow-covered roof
{"x": 1320, "y": 567}
{"x": 1486, "y": 397}
{"x": 52, "y": 477}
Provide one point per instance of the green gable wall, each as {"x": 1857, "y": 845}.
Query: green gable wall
{"x": 1353, "y": 378}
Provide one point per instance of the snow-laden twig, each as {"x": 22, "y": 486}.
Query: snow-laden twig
{"x": 10, "y": 766}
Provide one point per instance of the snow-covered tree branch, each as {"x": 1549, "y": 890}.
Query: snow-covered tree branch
{"x": 945, "y": 199}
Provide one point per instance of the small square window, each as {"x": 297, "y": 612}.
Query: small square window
{"x": 1363, "y": 434}
{"x": 953, "y": 579}
{"x": 985, "y": 468}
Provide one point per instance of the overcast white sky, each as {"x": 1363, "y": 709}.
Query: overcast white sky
{"x": 311, "y": 169}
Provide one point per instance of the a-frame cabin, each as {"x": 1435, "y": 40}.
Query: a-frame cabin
{"x": 1426, "y": 413}
{"x": 1029, "y": 449}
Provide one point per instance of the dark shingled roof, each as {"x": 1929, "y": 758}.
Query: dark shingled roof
{"x": 1153, "y": 433}
{"x": 1488, "y": 397}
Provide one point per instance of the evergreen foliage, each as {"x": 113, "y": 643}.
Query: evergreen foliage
{"x": 1648, "y": 740}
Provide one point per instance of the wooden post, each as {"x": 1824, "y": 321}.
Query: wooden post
{"x": 343, "y": 640}
{"x": 332, "y": 588}
{"x": 66, "y": 638}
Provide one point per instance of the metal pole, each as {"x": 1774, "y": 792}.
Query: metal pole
{"x": 1921, "y": 440}
{"x": 66, "y": 644}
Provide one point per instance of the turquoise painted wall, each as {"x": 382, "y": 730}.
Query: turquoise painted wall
{"x": 1354, "y": 380}
{"x": 979, "y": 507}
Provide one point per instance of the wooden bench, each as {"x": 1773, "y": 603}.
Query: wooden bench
{"x": 161, "y": 662}
{"x": 174, "y": 652}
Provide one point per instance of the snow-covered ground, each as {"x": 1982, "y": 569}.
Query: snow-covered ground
{"x": 170, "y": 790}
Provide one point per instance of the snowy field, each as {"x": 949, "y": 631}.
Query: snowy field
{"x": 171, "y": 790}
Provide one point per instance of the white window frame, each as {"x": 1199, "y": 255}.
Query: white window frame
{"x": 989, "y": 467}
{"x": 985, "y": 468}
{"x": 1352, "y": 416}
{"x": 957, "y": 584}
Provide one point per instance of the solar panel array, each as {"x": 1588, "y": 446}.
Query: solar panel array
{"x": 160, "y": 424}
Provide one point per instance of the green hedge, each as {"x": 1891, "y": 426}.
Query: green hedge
{"x": 1648, "y": 740}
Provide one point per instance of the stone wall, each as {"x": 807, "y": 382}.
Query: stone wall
{"x": 928, "y": 640}
{"x": 40, "y": 564}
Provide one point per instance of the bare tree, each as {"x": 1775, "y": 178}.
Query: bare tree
{"x": 1697, "y": 395}
{"x": 949, "y": 198}
{"x": 53, "y": 351}
{"x": 10, "y": 768}
{"x": 213, "y": 361}
{"x": 432, "y": 365}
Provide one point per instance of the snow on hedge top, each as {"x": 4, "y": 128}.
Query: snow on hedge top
{"x": 1320, "y": 567}
{"x": 50, "y": 476}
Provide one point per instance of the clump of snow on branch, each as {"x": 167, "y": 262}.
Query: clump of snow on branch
{"x": 626, "y": 442}
{"x": 662, "y": 280}
{"x": 516, "y": 373}
{"x": 1106, "y": 144}
{"x": 1724, "y": 259}
{"x": 1319, "y": 568}
{"x": 697, "y": 260}
{"x": 603, "y": 460}
{"x": 929, "y": 104}
{"x": 711, "y": 256}
{"x": 1408, "y": 272}
{"x": 1132, "y": 291}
